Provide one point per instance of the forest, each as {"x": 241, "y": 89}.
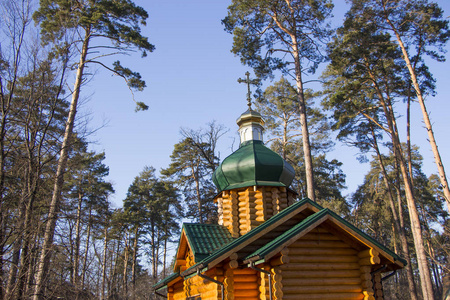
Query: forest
{"x": 60, "y": 235}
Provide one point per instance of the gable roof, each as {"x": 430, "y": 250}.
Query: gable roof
{"x": 270, "y": 249}
{"x": 198, "y": 238}
{"x": 252, "y": 235}
{"x": 204, "y": 239}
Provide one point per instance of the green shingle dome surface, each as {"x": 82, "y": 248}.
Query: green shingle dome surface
{"x": 253, "y": 164}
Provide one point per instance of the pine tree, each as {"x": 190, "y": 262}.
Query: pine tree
{"x": 282, "y": 35}
{"x": 115, "y": 24}
{"x": 364, "y": 82}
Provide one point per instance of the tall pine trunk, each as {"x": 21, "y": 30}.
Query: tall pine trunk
{"x": 134, "y": 263}
{"x": 309, "y": 173}
{"x": 86, "y": 249}
{"x": 425, "y": 276}
{"x": 105, "y": 249}
{"x": 44, "y": 259}
{"x": 125, "y": 265}
{"x": 426, "y": 117}
{"x": 397, "y": 227}
{"x": 76, "y": 255}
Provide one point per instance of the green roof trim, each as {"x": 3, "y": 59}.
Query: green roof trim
{"x": 163, "y": 283}
{"x": 235, "y": 243}
{"x": 197, "y": 233}
{"x": 367, "y": 237}
{"x": 265, "y": 250}
{"x": 253, "y": 164}
{"x": 204, "y": 239}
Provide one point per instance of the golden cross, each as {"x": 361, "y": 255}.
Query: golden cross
{"x": 248, "y": 81}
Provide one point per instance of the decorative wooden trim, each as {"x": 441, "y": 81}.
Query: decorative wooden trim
{"x": 229, "y": 284}
{"x": 277, "y": 289}
{"x": 366, "y": 283}
{"x": 378, "y": 286}
{"x": 369, "y": 257}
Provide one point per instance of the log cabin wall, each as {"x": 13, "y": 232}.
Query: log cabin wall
{"x": 202, "y": 287}
{"x": 321, "y": 266}
{"x": 227, "y": 205}
{"x": 176, "y": 292}
{"x": 246, "y": 284}
{"x": 243, "y": 209}
{"x": 378, "y": 287}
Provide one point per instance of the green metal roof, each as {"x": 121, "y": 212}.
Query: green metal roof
{"x": 198, "y": 234}
{"x": 262, "y": 252}
{"x": 253, "y": 164}
{"x": 235, "y": 243}
{"x": 206, "y": 238}
{"x": 162, "y": 283}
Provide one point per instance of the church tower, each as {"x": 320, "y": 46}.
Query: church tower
{"x": 268, "y": 247}
{"x": 253, "y": 181}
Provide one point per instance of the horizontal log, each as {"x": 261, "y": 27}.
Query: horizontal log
{"x": 278, "y": 294}
{"x": 368, "y": 253}
{"x": 255, "y": 198}
{"x": 210, "y": 294}
{"x": 246, "y": 293}
{"x": 327, "y": 259}
{"x": 320, "y": 266}
{"x": 233, "y": 264}
{"x": 366, "y": 276}
{"x": 243, "y": 227}
{"x": 244, "y": 204}
{"x": 367, "y": 284}
{"x": 244, "y": 278}
{"x": 230, "y": 213}
{"x": 337, "y": 296}
{"x": 322, "y": 274}
{"x": 321, "y": 237}
{"x": 254, "y": 223}
{"x": 245, "y": 286}
{"x": 369, "y": 261}
{"x": 325, "y": 244}
{"x": 280, "y": 260}
{"x": 377, "y": 277}
{"x": 246, "y": 298}
{"x": 233, "y": 256}
{"x": 323, "y": 251}
{"x": 322, "y": 289}
{"x": 246, "y": 271}
{"x": 319, "y": 281}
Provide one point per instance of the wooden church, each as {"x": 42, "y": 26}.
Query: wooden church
{"x": 267, "y": 244}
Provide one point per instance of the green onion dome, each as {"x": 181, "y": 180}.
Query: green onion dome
{"x": 253, "y": 164}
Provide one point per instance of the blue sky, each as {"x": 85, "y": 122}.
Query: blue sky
{"x": 192, "y": 80}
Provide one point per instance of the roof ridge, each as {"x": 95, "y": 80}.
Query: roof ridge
{"x": 203, "y": 263}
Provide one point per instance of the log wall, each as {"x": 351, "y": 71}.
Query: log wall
{"x": 321, "y": 266}
{"x": 246, "y": 284}
{"x": 243, "y": 209}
